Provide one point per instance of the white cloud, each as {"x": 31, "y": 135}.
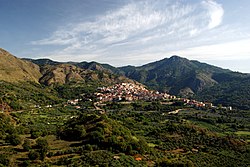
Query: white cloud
{"x": 215, "y": 12}
{"x": 127, "y": 22}
{"x": 140, "y": 28}
{"x": 60, "y": 37}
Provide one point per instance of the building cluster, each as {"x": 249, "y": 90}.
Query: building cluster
{"x": 129, "y": 92}
{"x": 197, "y": 104}
{"x": 74, "y": 103}
{"x": 132, "y": 92}
{"x": 200, "y": 104}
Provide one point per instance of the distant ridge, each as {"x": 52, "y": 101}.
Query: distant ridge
{"x": 43, "y": 61}
{"x": 66, "y": 73}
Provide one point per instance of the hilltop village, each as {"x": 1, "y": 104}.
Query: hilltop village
{"x": 129, "y": 92}
{"x": 132, "y": 92}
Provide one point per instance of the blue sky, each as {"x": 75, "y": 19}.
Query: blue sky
{"x": 128, "y": 32}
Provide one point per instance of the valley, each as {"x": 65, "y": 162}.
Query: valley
{"x": 91, "y": 114}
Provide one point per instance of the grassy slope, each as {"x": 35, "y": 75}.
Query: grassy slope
{"x": 13, "y": 69}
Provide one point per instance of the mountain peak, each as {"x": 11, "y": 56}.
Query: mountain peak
{"x": 173, "y": 59}
{"x": 177, "y": 58}
{"x": 175, "y": 74}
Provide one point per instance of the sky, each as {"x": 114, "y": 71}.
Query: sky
{"x": 128, "y": 32}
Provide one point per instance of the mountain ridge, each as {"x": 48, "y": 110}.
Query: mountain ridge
{"x": 174, "y": 75}
{"x": 178, "y": 71}
{"x": 49, "y": 72}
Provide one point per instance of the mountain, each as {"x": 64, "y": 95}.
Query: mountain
{"x": 99, "y": 67}
{"x": 59, "y": 74}
{"x": 42, "y": 61}
{"x": 13, "y": 69}
{"x": 233, "y": 90}
{"x": 53, "y": 72}
{"x": 176, "y": 75}
{"x": 194, "y": 79}
{"x": 66, "y": 73}
{"x": 48, "y": 72}
{"x": 93, "y": 66}
{"x": 25, "y": 83}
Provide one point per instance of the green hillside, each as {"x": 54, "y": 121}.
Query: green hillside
{"x": 193, "y": 79}
{"x": 175, "y": 75}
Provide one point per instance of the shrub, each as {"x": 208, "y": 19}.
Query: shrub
{"x": 14, "y": 139}
{"x": 4, "y": 160}
{"x": 35, "y": 134}
{"x": 43, "y": 147}
{"x": 26, "y": 163}
{"x": 33, "y": 155}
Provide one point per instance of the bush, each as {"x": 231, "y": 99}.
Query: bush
{"x": 72, "y": 134}
{"x": 15, "y": 105}
{"x": 33, "y": 155}
{"x": 42, "y": 144}
{"x": 35, "y": 134}
{"x": 14, "y": 139}
{"x": 26, "y": 163}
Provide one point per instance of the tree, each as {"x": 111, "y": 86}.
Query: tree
{"x": 43, "y": 147}
{"x": 79, "y": 131}
{"x": 96, "y": 137}
{"x": 72, "y": 134}
{"x": 26, "y": 145}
